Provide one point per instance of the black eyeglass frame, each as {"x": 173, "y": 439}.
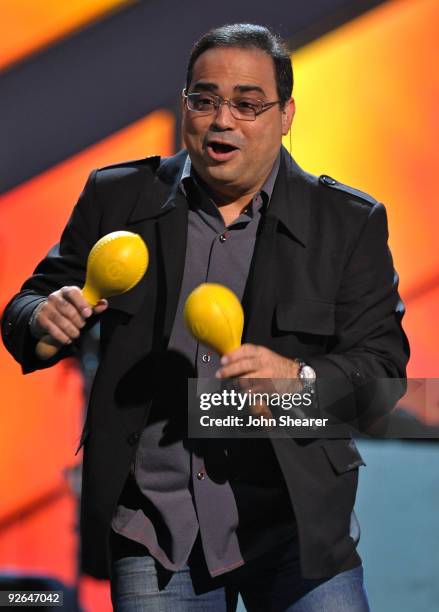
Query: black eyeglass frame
{"x": 219, "y": 100}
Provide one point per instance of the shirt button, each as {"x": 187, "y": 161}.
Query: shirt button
{"x": 206, "y": 358}
{"x": 222, "y": 237}
{"x": 201, "y": 475}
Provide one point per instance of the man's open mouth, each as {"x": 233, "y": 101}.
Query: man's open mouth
{"x": 219, "y": 147}
{"x": 220, "y": 151}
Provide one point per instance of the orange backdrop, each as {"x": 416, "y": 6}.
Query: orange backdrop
{"x": 367, "y": 114}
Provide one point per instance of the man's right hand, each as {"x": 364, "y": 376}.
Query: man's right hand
{"x": 64, "y": 314}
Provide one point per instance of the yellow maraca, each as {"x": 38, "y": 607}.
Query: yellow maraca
{"x": 116, "y": 263}
{"x": 215, "y": 317}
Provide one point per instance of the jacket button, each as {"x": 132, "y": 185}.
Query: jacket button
{"x": 223, "y": 237}
{"x": 206, "y": 358}
{"x": 201, "y": 475}
{"x": 133, "y": 438}
{"x": 327, "y": 180}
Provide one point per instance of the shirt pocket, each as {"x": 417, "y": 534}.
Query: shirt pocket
{"x": 306, "y": 316}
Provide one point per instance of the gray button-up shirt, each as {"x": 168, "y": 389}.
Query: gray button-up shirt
{"x": 184, "y": 487}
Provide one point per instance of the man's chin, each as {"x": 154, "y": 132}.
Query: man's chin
{"x": 218, "y": 176}
{"x": 228, "y": 170}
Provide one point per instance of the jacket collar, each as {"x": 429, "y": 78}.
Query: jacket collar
{"x": 289, "y": 204}
{"x": 160, "y": 197}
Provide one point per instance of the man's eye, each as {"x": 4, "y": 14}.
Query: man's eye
{"x": 204, "y": 102}
{"x": 246, "y": 106}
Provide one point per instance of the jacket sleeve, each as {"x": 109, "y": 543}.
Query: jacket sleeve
{"x": 64, "y": 265}
{"x": 365, "y": 367}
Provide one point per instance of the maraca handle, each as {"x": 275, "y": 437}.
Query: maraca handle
{"x": 47, "y": 347}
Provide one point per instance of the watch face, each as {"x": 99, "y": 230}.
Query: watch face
{"x": 307, "y": 373}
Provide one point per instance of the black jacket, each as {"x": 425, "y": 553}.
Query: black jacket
{"x": 321, "y": 287}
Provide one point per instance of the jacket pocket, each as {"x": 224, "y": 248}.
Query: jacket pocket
{"x": 306, "y": 316}
{"x": 343, "y": 455}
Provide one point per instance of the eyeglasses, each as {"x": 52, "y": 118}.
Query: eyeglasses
{"x": 245, "y": 109}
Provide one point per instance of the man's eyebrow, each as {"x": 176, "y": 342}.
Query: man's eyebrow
{"x": 206, "y": 86}
{"x": 247, "y": 88}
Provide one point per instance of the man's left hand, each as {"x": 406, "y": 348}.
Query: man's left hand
{"x": 251, "y": 361}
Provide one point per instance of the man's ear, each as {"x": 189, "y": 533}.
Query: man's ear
{"x": 288, "y": 115}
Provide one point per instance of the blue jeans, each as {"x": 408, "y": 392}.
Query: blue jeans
{"x": 272, "y": 583}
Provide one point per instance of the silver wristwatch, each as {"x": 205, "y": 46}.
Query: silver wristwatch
{"x": 307, "y": 376}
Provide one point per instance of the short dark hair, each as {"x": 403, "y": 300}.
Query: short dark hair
{"x": 247, "y": 35}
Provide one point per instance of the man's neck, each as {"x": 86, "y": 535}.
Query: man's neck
{"x": 230, "y": 212}
{"x": 231, "y": 204}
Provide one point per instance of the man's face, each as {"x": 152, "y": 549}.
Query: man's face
{"x": 233, "y": 156}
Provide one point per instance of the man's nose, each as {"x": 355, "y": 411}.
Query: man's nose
{"x": 223, "y": 118}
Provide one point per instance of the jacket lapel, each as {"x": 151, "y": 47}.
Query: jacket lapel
{"x": 290, "y": 202}
{"x": 288, "y": 211}
{"x": 160, "y": 218}
{"x": 171, "y": 249}
{"x": 254, "y": 299}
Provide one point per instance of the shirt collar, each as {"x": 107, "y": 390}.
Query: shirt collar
{"x": 266, "y": 191}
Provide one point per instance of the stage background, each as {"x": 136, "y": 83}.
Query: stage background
{"x": 85, "y": 84}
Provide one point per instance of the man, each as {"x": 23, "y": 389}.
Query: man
{"x": 190, "y": 523}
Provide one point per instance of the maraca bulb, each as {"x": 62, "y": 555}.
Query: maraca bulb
{"x": 116, "y": 263}
{"x": 215, "y": 317}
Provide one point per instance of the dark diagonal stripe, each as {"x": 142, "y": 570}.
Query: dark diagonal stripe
{"x": 116, "y": 71}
